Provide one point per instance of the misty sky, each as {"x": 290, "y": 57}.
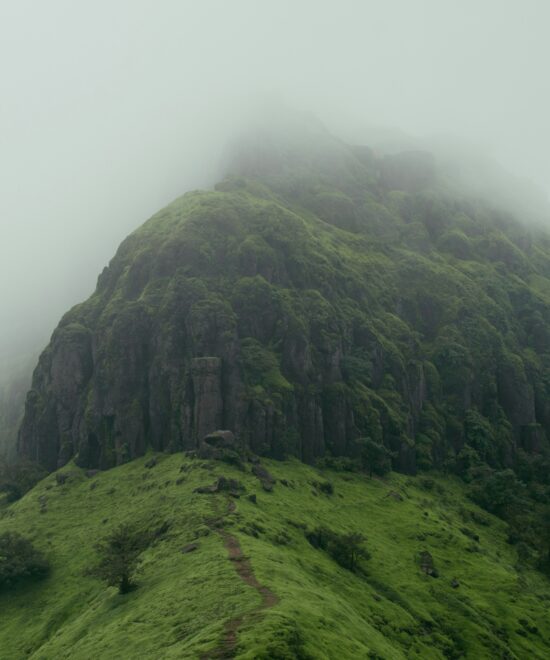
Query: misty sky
{"x": 111, "y": 108}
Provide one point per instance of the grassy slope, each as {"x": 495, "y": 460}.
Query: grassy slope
{"x": 183, "y": 600}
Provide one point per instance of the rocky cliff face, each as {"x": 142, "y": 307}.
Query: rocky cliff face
{"x": 324, "y": 301}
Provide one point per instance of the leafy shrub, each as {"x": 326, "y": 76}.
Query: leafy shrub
{"x": 20, "y": 560}
{"x": 19, "y": 478}
{"x": 119, "y": 557}
{"x": 499, "y": 493}
{"x": 325, "y": 487}
{"x": 345, "y": 549}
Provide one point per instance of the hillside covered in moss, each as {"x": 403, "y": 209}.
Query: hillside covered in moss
{"x": 242, "y": 575}
{"x": 323, "y": 302}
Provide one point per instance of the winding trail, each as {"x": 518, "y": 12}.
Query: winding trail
{"x": 226, "y": 648}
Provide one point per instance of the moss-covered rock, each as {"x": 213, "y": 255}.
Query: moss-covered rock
{"x": 316, "y": 296}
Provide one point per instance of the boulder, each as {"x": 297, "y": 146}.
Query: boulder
{"x": 221, "y": 446}
{"x": 266, "y": 478}
{"x": 189, "y": 548}
{"x": 427, "y": 564}
{"x": 222, "y": 484}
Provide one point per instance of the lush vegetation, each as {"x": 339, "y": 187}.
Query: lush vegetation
{"x": 19, "y": 560}
{"x": 404, "y": 328}
{"x": 486, "y": 601}
{"x": 361, "y": 315}
{"x": 119, "y": 556}
{"x": 18, "y": 477}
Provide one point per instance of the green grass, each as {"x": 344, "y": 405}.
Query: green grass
{"x": 391, "y": 610}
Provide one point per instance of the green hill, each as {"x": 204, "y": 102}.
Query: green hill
{"x": 187, "y": 604}
{"x": 361, "y": 313}
{"x": 336, "y": 296}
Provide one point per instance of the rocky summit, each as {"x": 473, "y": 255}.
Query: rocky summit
{"x": 318, "y": 295}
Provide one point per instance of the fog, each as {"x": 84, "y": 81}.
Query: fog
{"x": 110, "y": 109}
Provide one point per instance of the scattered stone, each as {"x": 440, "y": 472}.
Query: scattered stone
{"x": 93, "y": 485}
{"x": 324, "y": 486}
{"x": 252, "y": 497}
{"x": 223, "y": 438}
{"x": 62, "y": 478}
{"x": 222, "y": 445}
{"x": 180, "y": 480}
{"x": 231, "y": 486}
{"x": 395, "y": 495}
{"x": 202, "y": 531}
{"x": 455, "y": 583}
{"x": 427, "y": 564}
{"x": 284, "y": 482}
{"x": 189, "y": 548}
{"x": 151, "y": 462}
{"x": 266, "y": 478}
{"x": 91, "y": 473}
{"x": 262, "y": 474}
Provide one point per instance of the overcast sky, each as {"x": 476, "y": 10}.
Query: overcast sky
{"x": 111, "y": 108}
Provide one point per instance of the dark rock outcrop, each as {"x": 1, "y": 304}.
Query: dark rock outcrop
{"x": 427, "y": 565}
{"x": 222, "y": 484}
{"x": 309, "y": 301}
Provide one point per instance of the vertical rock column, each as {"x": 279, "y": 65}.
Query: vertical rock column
{"x": 206, "y": 373}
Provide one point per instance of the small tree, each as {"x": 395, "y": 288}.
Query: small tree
{"x": 20, "y": 560}
{"x": 119, "y": 557}
{"x": 345, "y": 549}
{"x": 348, "y": 549}
{"x": 18, "y": 478}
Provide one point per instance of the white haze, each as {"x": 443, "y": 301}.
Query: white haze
{"x": 111, "y": 108}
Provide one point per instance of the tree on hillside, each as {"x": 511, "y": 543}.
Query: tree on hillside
{"x": 348, "y": 549}
{"x": 119, "y": 557}
{"x": 20, "y": 560}
{"x": 18, "y": 478}
{"x": 345, "y": 549}
{"x": 500, "y": 493}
